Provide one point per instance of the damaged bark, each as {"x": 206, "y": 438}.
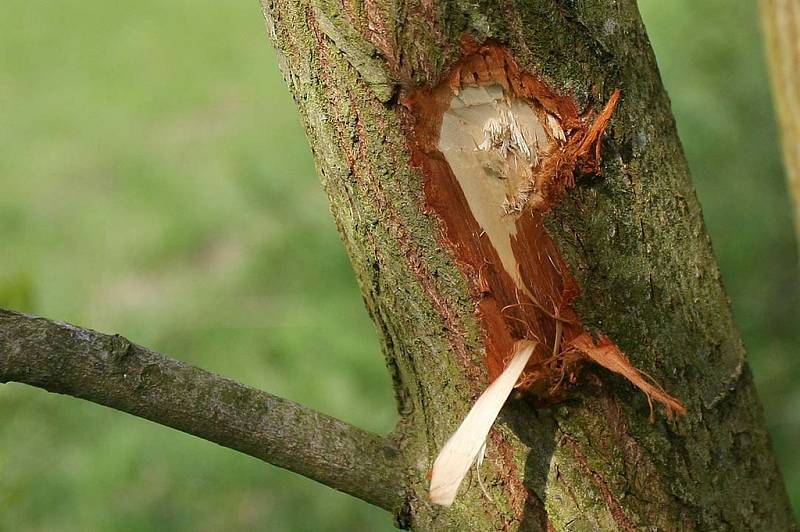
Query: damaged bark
{"x": 460, "y": 147}
{"x": 499, "y": 149}
{"x": 502, "y": 173}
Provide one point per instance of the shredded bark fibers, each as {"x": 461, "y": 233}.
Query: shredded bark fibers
{"x": 524, "y": 290}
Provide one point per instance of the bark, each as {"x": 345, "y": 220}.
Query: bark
{"x": 627, "y": 261}
{"x": 111, "y": 371}
{"x": 633, "y": 239}
{"x": 781, "y": 21}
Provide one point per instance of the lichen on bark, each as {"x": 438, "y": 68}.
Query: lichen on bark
{"x": 634, "y": 239}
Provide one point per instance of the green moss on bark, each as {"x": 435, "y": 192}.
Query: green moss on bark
{"x": 634, "y": 238}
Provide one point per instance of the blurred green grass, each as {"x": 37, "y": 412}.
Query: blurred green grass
{"x": 155, "y": 181}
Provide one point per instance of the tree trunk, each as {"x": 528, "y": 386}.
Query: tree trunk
{"x": 629, "y": 246}
{"x": 781, "y": 21}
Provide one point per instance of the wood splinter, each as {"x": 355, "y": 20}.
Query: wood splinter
{"x": 499, "y": 150}
{"x": 464, "y": 446}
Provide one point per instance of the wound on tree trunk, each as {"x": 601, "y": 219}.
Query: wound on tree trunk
{"x": 498, "y": 149}
{"x": 631, "y": 261}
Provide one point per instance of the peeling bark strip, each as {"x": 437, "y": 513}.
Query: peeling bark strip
{"x": 639, "y": 234}
{"x": 465, "y": 447}
{"x": 499, "y": 149}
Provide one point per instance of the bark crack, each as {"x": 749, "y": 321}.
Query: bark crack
{"x": 613, "y": 504}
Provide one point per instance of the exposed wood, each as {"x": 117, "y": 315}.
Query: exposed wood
{"x": 781, "y": 21}
{"x": 628, "y": 249}
{"x": 463, "y": 448}
{"x": 493, "y": 205}
{"x": 609, "y": 251}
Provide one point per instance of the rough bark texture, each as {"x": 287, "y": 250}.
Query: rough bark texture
{"x": 634, "y": 240}
{"x": 111, "y": 371}
{"x": 781, "y": 20}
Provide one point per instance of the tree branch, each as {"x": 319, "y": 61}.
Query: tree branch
{"x": 781, "y": 24}
{"x": 112, "y": 371}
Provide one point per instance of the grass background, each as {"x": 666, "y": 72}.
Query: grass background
{"x": 155, "y": 181}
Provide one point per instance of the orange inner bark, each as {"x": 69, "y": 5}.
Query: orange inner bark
{"x": 508, "y": 314}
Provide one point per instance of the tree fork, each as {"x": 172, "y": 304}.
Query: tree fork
{"x": 633, "y": 238}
